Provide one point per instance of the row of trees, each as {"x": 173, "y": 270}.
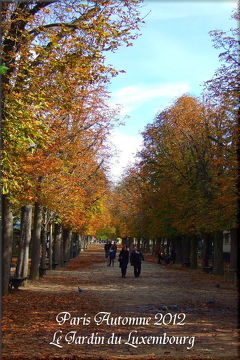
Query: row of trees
{"x": 58, "y": 244}
{"x": 55, "y": 118}
{"x": 183, "y": 186}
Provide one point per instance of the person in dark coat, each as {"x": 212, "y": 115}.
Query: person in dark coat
{"x": 159, "y": 254}
{"x": 136, "y": 258}
{"x": 173, "y": 256}
{"x": 114, "y": 245}
{"x": 112, "y": 254}
{"x": 123, "y": 260}
{"x": 107, "y": 248}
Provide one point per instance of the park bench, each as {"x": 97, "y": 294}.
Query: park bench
{"x": 15, "y": 282}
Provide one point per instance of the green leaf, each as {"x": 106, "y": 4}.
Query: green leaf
{"x": 3, "y": 69}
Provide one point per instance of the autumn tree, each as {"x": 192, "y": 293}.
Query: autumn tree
{"x": 186, "y": 174}
{"x": 42, "y": 42}
{"x": 184, "y": 181}
{"x": 223, "y": 89}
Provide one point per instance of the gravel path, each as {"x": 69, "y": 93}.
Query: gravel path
{"x": 166, "y": 313}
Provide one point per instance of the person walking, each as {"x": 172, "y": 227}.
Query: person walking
{"x": 136, "y": 258}
{"x": 112, "y": 254}
{"x": 173, "y": 256}
{"x": 159, "y": 254}
{"x": 107, "y": 248}
{"x": 123, "y": 260}
{"x": 114, "y": 245}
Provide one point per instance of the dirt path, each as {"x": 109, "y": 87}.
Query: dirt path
{"x": 139, "y": 305}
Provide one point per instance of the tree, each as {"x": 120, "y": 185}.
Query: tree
{"x": 224, "y": 89}
{"x": 225, "y": 82}
{"x": 182, "y": 186}
{"x": 25, "y": 237}
{"x": 37, "y": 55}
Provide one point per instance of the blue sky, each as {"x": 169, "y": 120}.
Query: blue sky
{"x": 174, "y": 55}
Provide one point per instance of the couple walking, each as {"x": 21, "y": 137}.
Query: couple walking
{"x": 136, "y": 258}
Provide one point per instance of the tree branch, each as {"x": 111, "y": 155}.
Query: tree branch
{"x": 41, "y": 5}
{"x": 39, "y": 29}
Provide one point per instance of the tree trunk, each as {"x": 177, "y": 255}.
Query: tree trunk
{"x": 82, "y": 242}
{"x": 193, "y": 256}
{"x": 138, "y": 243}
{"x": 186, "y": 248}
{"x": 61, "y": 259}
{"x": 79, "y": 243}
{"x": 147, "y": 245}
{"x": 206, "y": 250}
{"x": 36, "y": 242}
{"x": 178, "y": 249}
{"x": 50, "y": 249}
{"x": 218, "y": 253}
{"x": 234, "y": 250}
{"x": 43, "y": 244}
{"x": 162, "y": 243}
{"x": 7, "y": 237}
{"x": 65, "y": 245}
{"x": 168, "y": 247}
{"x": 154, "y": 246}
{"x": 72, "y": 245}
{"x": 25, "y": 238}
{"x": 57, "y": 245}
{"x": 21, "y": 242}
{"x": 130, "y": 241}
{"x": 67, "y": 235}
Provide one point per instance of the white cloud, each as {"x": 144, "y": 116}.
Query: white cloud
{"x": 124, "y": 148}
{"x": 132, "y": 97}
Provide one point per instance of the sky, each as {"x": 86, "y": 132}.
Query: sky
{"x": 173, "y": 56}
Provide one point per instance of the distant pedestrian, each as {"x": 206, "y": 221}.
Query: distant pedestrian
{"x": 159, "y": 254}
{"x": 123, "y": 260}
{"x": 136, "y": 258}
{"x": 112, "y": 254}
{"x": 114, "y": 245}
{"x": 107, "y": 248}
{"x": 173, "y": 256}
